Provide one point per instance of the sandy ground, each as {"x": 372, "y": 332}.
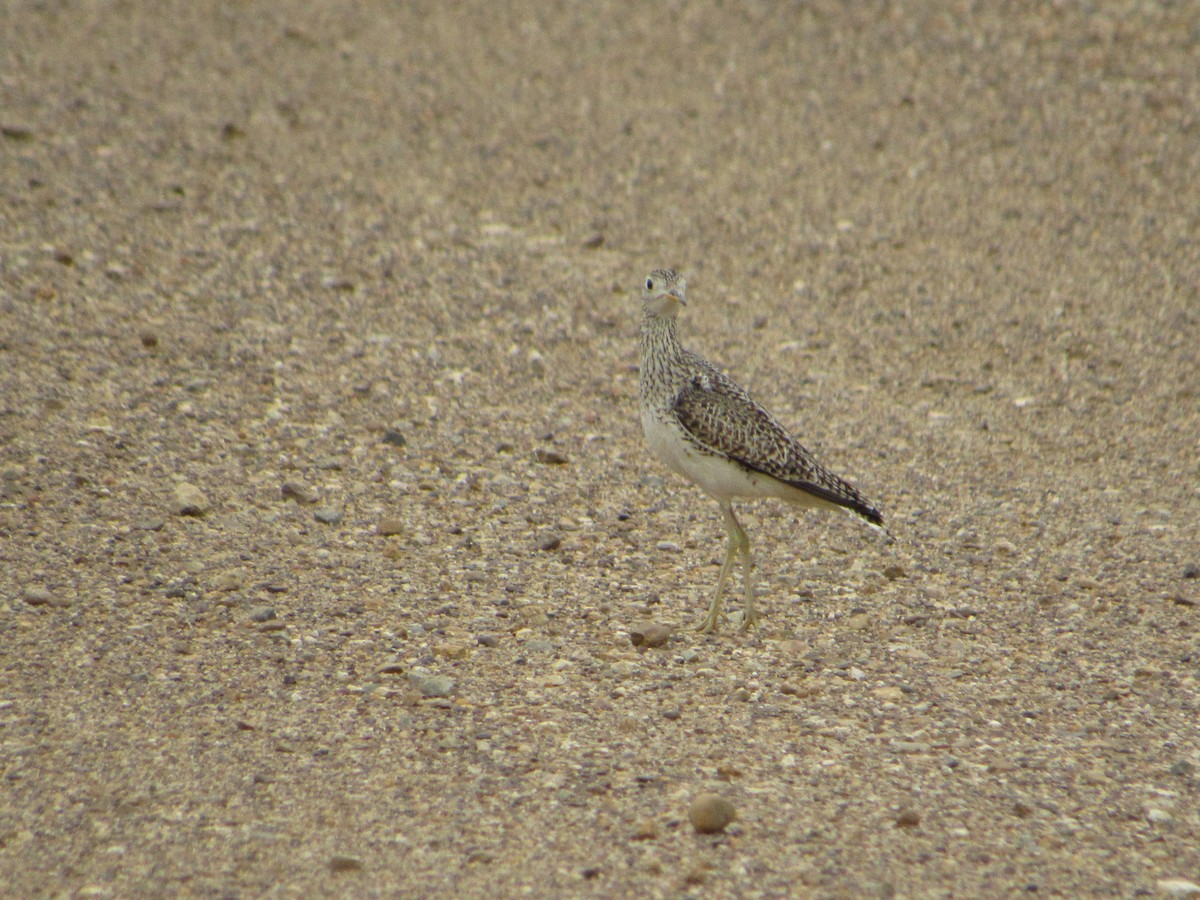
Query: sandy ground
{"x": 365, "y": 277}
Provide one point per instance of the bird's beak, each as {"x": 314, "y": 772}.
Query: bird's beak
{"x": 678, "y": 295}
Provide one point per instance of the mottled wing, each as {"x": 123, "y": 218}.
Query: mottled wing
{"x": 723, "y": 417}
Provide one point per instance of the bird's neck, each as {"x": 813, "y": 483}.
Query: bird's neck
{"x": 661, "y": 350}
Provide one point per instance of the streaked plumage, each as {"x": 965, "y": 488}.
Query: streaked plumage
{"x": 707, "y": 428}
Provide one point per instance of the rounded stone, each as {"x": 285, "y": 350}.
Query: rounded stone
{"x": 711, "y": 813}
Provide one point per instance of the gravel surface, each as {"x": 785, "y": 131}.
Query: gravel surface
{"x": 332, "y": 561}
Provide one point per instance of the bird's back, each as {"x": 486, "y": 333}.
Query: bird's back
{"x": 721, "y": 417}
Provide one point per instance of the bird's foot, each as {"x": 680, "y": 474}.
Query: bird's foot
{"x": 712, "y": 621}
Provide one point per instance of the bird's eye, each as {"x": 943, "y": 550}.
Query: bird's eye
{"x": 649, "y": 284}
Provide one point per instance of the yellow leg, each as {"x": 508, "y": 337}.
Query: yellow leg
{"x": 712, "y": 620}
{"x": 749, "y": 613}
{"x": 739, "y": 545}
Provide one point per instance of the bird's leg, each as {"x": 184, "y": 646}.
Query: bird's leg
{"x": 749, "y": 614}
{"x": 712, "y": 620}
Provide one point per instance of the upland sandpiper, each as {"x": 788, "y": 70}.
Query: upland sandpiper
{"x": 708, "y": 429}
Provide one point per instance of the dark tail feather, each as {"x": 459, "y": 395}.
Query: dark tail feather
{"x": 849, "y": 498}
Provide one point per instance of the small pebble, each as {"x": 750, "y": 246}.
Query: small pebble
{"x": 893, "y": 572}
{"x": 1191, "y": 571}
{"x": 550, "y": 542}
{"x": 549, "y": 457}
{"x": 189, "y": 500}
{"x": 649, "y": 634}
{"x": 1159, "y": 817}
{"x": 298, "y": 492}
{"x": 452, "y": 650}
{"x": 646, "y": 830}
{"x": 262, "y": 614}
{"x": 328, "y": 515}
{"x": 537, "y": 363}
{"x": 233, "y": 580}
{"x": 432, "y": 685}
{"x": 488, "y": 640}
{"x": 389, "y": 526}
{"x": 908, "y": 818}
{"x": 340, "y": 863}
{"x": 36, "y": 596}
{"x": 394, "y": 438}
{"x": 710, "y": 813}
{"x": 17, "y": 133}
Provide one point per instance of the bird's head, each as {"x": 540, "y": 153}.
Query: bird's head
{"x": 663, "y": 292}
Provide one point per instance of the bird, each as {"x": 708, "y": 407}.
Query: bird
{"x": 707, "y": 428}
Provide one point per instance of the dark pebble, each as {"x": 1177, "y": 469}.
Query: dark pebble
{"x": 17, "y": 133}
{"x": 549, "y": 457}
